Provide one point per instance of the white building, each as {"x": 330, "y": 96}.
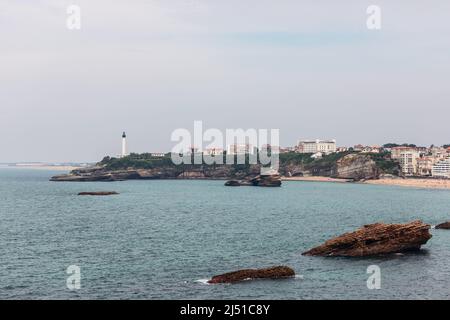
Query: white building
{"x": 407, "y": 156}
{"x": 240, "y": 149}
{"x": 441, "y": 169}
{"x": 315, "y": 146}
{"x": 213, "y": 151}
{"x": 158, "y": 154}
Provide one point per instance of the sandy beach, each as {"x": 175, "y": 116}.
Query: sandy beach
{"x": 414, "y": 183}
{"x": 315, "y": 179}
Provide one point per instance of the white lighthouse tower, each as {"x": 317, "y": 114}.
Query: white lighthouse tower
{"x": 124, "y": 145}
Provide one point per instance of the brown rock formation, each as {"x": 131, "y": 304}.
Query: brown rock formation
{"x": 267, "y": 273}
{"x": 357, "y": 167}
{"x": 445, "y": 225}
{"x": 273, "y": 180}
{"x": 373, "y": 239}
{"x": 98, "y": 193}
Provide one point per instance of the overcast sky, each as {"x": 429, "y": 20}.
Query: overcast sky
{"x": 309, "y": 68}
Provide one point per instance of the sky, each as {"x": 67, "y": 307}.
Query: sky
{"x": 311, "y": 69}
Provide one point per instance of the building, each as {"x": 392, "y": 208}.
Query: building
{"x": 442, "y": 169}
{"x": 438, "y": 153}
{"x": 371, "y": 149}
{"x": 358, "y": 147}
{"x": 341, "y": 149}
{"x": 124, "y": 145}
{"x": 213, "y": 151}
{"x": 158, "y": 154}
{"x": 315, "y": 146}
{"x": 407, "y": 156}
{"x": 240, "y": 149}
{"x": 425, "y": 166}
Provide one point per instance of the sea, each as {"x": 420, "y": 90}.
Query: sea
{"x": 163, "y": 239}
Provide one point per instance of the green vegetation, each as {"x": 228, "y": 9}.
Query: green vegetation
{"x": 324, "y": 165}
{"x": 385, "y": 163}
{"x": 393, "y": 145}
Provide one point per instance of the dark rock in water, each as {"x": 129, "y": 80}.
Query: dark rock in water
{"x": 267, "y": 273}
{"x": 373, "y": 239}
{"x": 98, "y": 193}
{"x": 267, "y": 180}
{"x": 445, "y": 225}
{"x": 232, "y": 183}
{"x": 258, "y": 181}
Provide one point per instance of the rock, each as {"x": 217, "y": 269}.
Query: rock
{"x": 267, "y": 273}
{"x": 357, "y": 167}
{"x": 258, "y": 181}
{"x": 373, "y": 239}
{"x": 267, "y": 180}
{"x": 98, "y": 193}
{"x": 445, "y": 225}
{"x": 232, "y": 183}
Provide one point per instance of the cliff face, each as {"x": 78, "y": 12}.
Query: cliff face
{"x": 357, "y": 167}
{"x": 99, "y": 173}
{"x": 351, "y": 166}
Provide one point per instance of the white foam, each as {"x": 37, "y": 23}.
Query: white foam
{"x": 203, "y": 281}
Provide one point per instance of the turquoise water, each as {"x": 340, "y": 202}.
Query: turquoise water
{"x": 159, "y": 239}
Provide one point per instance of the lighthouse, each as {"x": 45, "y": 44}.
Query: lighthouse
{"x": 124, "y": 145}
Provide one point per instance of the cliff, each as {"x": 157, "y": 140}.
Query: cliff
{"x": 357, "y": 167}
{"x": 353, "y": 166}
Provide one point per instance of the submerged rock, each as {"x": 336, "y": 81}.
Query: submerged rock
{"x": 373, "y": 239}
{"x": 445, "y": 225}
{"x": 98, "y": 193}
{"x": 233, "y": 183}
{"x": 267, "y": 273}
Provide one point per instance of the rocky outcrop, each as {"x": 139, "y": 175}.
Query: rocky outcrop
{"x": 258, "y": 181}
{"x": 273, "y": 180}
{"x": 246, "y": 274}
{"x": 232, "y": 183}
{"x": 99, "y": 173}
{"x": 357, "y": 167}
{"x": 374, "y": 239}
{"x": 98, "y": 193}
{"x": 445, "y": 225}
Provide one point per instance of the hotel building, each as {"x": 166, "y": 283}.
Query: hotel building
{"x": 315, "y": 146}
{"x": 442, "y": 169}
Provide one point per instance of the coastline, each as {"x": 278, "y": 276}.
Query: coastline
{"x": 408, "y": 183}
{"x": 54, "y": 168}
{"x": 412, "y": 183}
{"x": 316, "y": 179}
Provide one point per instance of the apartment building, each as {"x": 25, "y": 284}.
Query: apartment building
{"x": 442, "y": 169}
{"x": 315, "y": 146}
{"x": 407, "y": 157}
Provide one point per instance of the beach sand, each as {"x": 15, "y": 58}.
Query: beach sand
{"x": 315, "y": 179}
{"x": 414, "y": 183}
